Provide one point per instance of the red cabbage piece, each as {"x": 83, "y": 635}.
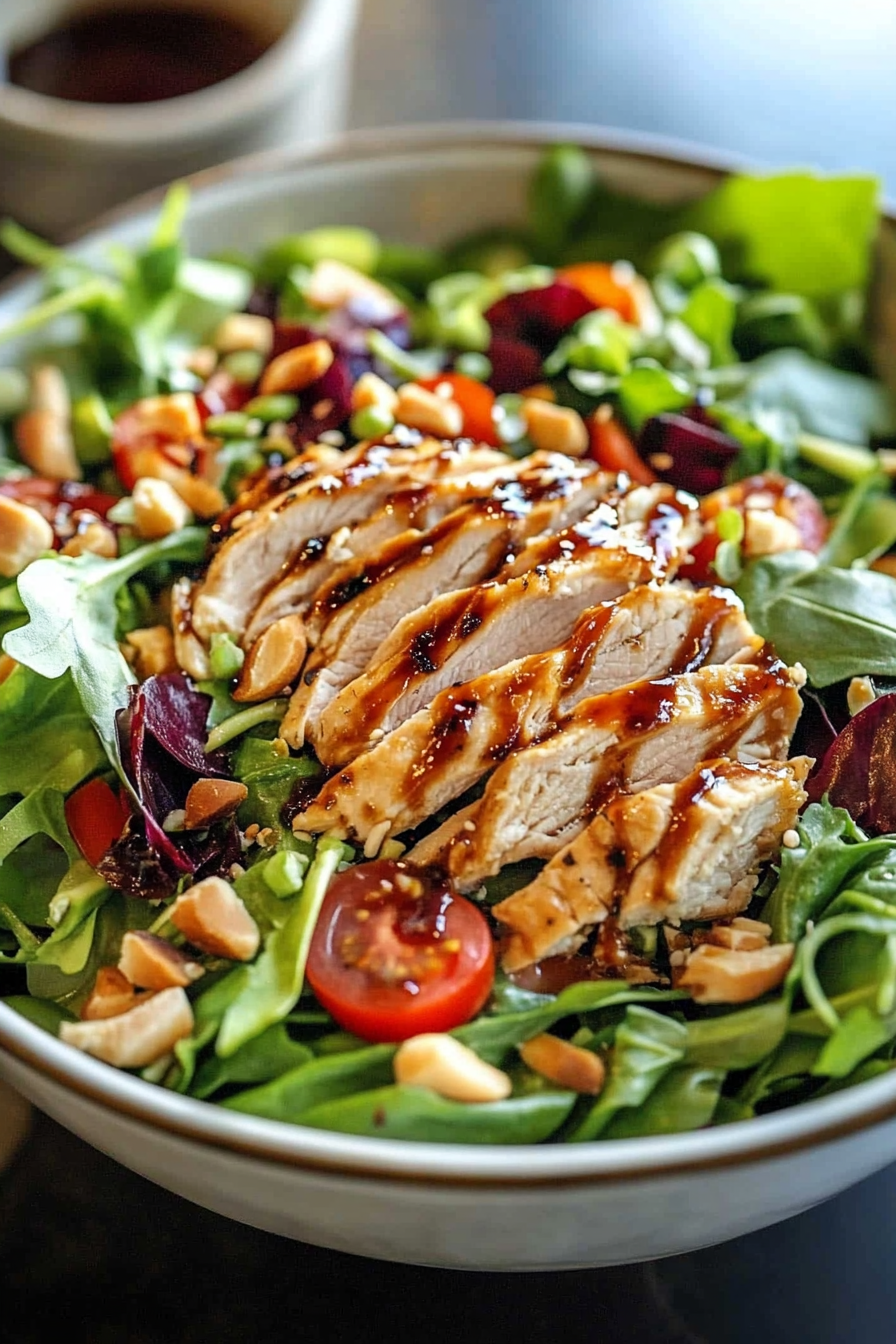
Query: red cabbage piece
{"x": 858, "y": 771}
{"x": 699, "y": 453}
{"x": 515, "y": 365}
{"x": 538, "y": 317}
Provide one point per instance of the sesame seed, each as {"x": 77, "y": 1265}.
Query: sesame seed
{"x": 791, "y": 839}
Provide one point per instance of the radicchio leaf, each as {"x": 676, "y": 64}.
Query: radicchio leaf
{"x": 176, "y": 714}
{"x": 161, "y": 736}
{"x": 696, "y": 453}
{"x": 858, "y": 771}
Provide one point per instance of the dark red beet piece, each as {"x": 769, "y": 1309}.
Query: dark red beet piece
{"x": 858, "y": 771}
{"x": 687, "y": 450}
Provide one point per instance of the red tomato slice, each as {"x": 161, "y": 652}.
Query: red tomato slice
{"x": 475, "y": 400}
{"x": 788, "y": 499}
{"x": 394, "y": 954}
{"x": 599, "y": 282}
{"x": 613, "y": 450}
{"x": 96, "y": 817}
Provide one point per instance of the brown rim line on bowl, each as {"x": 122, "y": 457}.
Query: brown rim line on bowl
{"x": 786, "y": 1133}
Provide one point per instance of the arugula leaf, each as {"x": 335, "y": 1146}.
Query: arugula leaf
{"x": 825, "y": 401}
{"x": 416, "y": 1113}
{"x": 837, "y": 622}
{"x": 275, "y": 980}
{"x": 646, "y": 1047}
{"x": 831, "y": 853}
{"x": 685, "y": 1099}
{"x": 72, "y": 626}
{"x": 797, "y": 232}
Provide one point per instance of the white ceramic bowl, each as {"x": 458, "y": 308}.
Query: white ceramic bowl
{"x": 436, "y": 1204}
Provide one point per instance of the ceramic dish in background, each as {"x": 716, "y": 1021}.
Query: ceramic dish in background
{"x": 64, "y": 162}
{"x": 486, "y": 1207}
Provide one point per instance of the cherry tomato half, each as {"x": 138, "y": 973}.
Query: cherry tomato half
{"x": 613, "y": 450}
{"x": 475, "y": 400}
{"x": 395, "y": 954}
{"x": 600, "y": 282}
{"x": 768, "y": 491}
{"x": 96, "y": 816}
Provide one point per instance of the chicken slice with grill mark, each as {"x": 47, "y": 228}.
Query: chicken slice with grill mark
{"x": 407, "y": 573}
{"x": 474, "y": 630}
{"x": 635, "y": 738}
{"x": 679, "y": 851}
{"x": 414, "y": 509}
{"x": 253, "y": 558}
{"x": 443, "y": 750}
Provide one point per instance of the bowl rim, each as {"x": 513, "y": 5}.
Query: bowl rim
{"x": 785, "y": 1133}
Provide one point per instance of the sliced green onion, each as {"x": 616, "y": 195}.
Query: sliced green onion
{"x": 231, "y": 425}
{"x": 240, "y": 723}
{"x": 420, "y": 364}
{"x": 244, "y": 366}
{"x": 92, "y": 429}
{"x": 285, "y": 872}
{"x": 848, "y": 461}
{"x": 371, "y": 422}
{"x": 269, "y": 409}
{"x": 225, "y": 657}
{"x": 473, "y": 364}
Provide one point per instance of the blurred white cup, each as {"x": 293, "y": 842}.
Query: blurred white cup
{"x": 62, "y": 162}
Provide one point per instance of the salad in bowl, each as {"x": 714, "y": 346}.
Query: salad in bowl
{"x": 445, "y": 695}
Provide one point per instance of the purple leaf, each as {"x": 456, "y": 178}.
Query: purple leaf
{"x": 538, "y": 317}
{"x": 696, "y": 454}
{"x": 858, "y": 771}
{"x": 176, "y": 715}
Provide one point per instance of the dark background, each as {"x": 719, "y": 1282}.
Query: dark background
{"x": 89, "y": 1252}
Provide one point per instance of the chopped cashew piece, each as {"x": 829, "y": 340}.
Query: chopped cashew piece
{"x": 767, "y": 533}
{"x": 136, "y": 1038}
{"x": 151, "y": 963}
{"x": 741, "y": 935}
{"x": 555, "y": 429}
{"x": 49, "y": 391}
{"x": 274, "y": 660}
{"x": 244, "y": 331}
{"x": 212, "y": 917}
{"x": 723, "y": 975}
{"x": 173, "y": 414}
{"x": 860, "y": 695}
{"x": 371, "y": 390}
{"x": 565, "y": 1064}
{"x": 94, "y": 538}
{"x": 112, "y": 994}
{"x": 153, "y": 651}
{"x": 158, "y": 508}
{"x": 427, "y": 411}
{"x": 450, "y": 1068}
{"x": 297, "y": 369}
{"x": 24, "y": 535}
{"x": 333, "y": 285}
{"x": 44, "y": 440}
{"x": 209, "y": 800}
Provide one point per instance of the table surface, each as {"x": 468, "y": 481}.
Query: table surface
{"x": 86, "y": 1243}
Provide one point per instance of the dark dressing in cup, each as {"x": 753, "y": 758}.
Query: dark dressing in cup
{"x": 135, "y": 55}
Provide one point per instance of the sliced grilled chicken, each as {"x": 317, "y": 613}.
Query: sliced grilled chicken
{"x": 410, "y": 571}
{"x": 413, "y": 510}
{"x": 250, "y": 560}
{"x": 635, "y": 738}
{"x": 474, "y": 630}
{"x": 678, "y": 851}
{"x": 442, "y": 751}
